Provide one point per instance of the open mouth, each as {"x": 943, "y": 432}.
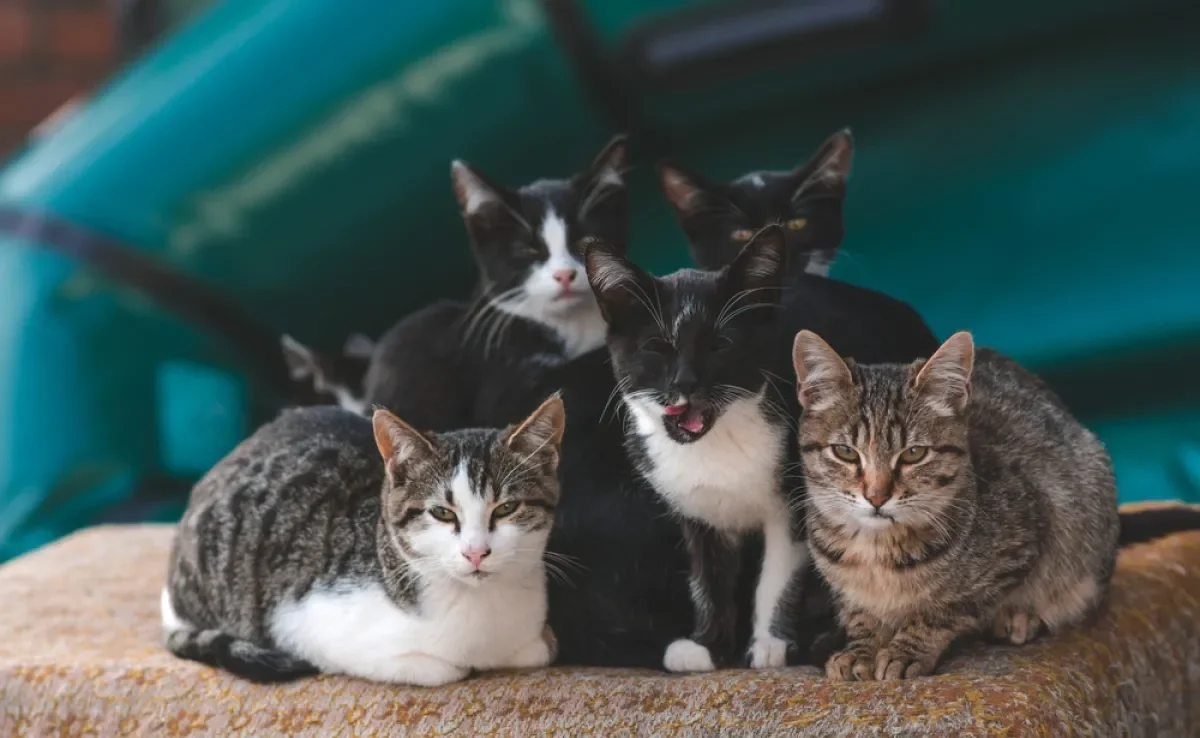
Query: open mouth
{"x": 689, "y": 422}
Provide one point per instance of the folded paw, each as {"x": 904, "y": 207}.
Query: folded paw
{"x": 686, "y": 655}
{"x": 850, "y": 665}
{"x": 892, "y": 665}
{"x": 1016, "y": 626}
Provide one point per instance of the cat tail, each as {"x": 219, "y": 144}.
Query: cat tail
{"x": 238, "y": 656}
{"x": 1139, "y": 526}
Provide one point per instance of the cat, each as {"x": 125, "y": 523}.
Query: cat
{"x": 691, "y": 354}
{"x": 946, "y": 498}
{"x": 303, "y": 551}
{"x": 720, "y": 219}
{"x": 533, "y": 308}
{"x": 322, "y": 379}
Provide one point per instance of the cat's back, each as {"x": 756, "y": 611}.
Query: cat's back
{"x": 416, "y": 370}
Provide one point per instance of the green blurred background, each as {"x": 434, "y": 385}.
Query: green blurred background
{"x": 1026, "y": 170}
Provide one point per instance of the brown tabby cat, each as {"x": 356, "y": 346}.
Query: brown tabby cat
{"x": 948, "y": 497}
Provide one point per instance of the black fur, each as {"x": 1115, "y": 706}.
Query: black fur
{"x": 1140, "y": 526}
{"x": 240, "y": 657}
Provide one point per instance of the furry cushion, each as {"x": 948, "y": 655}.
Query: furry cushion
{"x": 80, "y": 655}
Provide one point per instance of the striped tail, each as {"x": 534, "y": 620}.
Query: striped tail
{"x": 237, "y": 656}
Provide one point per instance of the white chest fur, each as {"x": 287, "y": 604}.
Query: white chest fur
{"x": 355, "y": 628}
{"x": 730, "y": 478}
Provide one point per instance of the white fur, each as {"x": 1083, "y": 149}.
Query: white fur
{"x": 171, "y": 622}
{"x": 730, "y": 479}
{"x": 685, "y": 655}
{"x": 576, "y": 320}
{"x": 819, "y": 264}
{"x": 355, "y": 628}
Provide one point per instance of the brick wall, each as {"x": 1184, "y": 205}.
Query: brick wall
{"x": 50, "y": 51}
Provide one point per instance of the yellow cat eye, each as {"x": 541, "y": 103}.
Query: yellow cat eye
{"x": 504, "y": 510}
{"x": 796, "y": 224}
{"x": 742, "y": 234}
{"x": 444, "y": 515}
{"x": 913, "y": 454}
{"x": 845, "y": 453}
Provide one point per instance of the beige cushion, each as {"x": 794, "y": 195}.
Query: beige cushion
{"x": 80, "y": 655}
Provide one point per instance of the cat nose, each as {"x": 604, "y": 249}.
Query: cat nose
{"x": 878, "y": 496}
{"x": 565, "y": 276}
{"x": 476, "y": 555}
{"x": 685, "y": 380}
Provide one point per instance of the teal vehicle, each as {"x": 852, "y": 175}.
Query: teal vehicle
{"x": 1024, "y": 170}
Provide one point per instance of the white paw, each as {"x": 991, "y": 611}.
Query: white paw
{"x": 687, "y": 655}
{"x": 768, "y": 653}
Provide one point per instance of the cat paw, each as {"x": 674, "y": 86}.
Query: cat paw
{"x": 768, "y": 653}
{"x": 889, "y": 666}
{"x": 539, "y": 653}
{"x": 686, "y": 655}
{"x": 848, "y": 666}
{"x": 1016, "y": 626}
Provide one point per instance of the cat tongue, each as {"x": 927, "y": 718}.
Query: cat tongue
{"x": 692, "y": 421}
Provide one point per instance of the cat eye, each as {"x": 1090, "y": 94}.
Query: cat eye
{"x": 439, "y": 513}
{"x": 845, "y": 453}
{"x": 913, "y": 454}
{"x": 720, "y": 344}
{"x": 796, "y": 224}
{"x": 742, "y": 234}
{"x": 656, "y": 345}
{"x": 527, "y": 251}
{"x": 504, "y": 510}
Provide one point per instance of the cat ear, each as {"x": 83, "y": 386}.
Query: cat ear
{"x": 685, "y": 191}
{"x": 621, "y": 288}
{"x": 541, "y": 434}
{"x": 758, "y": 268}
{"x": 821, "y": 375}
{"x": 473, "y": 190}
{"x": 602, "y": 188}
{"x": 828, "y": 169}
{"x": 399, "y": 444}
{"x": 944, "y": 381}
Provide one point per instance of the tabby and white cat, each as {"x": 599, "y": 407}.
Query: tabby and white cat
{"x": 948, "y": 497}
{"x": 302, "y": 552}
{"x": 691, "y": 352}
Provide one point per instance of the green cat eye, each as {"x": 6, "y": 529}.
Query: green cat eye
{"x": 742, "y": 234}
{"x": 443, "y": 514}
{"x": 796, "y": 224}
{"x": 845, "y": 453}
{"x": 913, "y": 454}
{"x": 504, "y": 510}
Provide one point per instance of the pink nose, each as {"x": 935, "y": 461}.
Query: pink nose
{"x": 476, "y": 555}
{"x": 565, "y": 277}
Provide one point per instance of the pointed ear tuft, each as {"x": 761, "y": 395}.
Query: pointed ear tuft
{"x": 613, "y": 158}
{"x": 399, "y": 444}
{"x": 829, "y": 168}
{"x": 540, "y": 435}
{"x": 760, "y": 265}
{"x": 944, "y": 381}
{"x": 619, "y": 286}
{"x": 471, "y": 189}
{"x": 822, "y": 377}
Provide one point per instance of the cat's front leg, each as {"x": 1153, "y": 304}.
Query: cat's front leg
{"x": 918, "y": 646}
{"x": 780, "y": 588}
{"x": 537, "y": 653}
{"x": 417, "y": 669}
{"x": 715, "y": 565}
{"x": 865, "y": 635}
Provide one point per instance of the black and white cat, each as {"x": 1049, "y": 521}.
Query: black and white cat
{"x": 692, "y": 353}
{"x": 720, "y": 218}
{"x": 533, "y": 296}
{"x": 329, "y": 380}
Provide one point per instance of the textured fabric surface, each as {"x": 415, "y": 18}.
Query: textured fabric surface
{"x": 80, "y": 655}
